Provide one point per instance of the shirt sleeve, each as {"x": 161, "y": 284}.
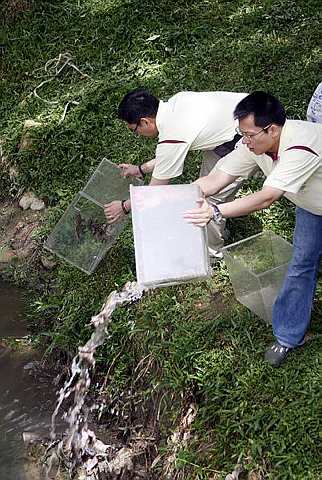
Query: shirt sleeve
{"x": 170, "y": 156}
{"x": 240, "y": 162}
{"x": 295, "y": 167}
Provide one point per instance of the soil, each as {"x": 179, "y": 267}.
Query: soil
{"x": 17, "y": 227}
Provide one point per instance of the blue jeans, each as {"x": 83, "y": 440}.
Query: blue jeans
{"x": 292, "y": 308}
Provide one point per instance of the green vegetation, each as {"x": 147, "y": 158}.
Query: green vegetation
{"x": 190, "y": 342}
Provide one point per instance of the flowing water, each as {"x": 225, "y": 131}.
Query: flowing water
{"x": 25, "y": 399}
{"x": 79, "y": 445}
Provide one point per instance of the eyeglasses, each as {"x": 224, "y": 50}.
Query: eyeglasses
{"x": 136, "y": 127}
{"x": 249, "y": 136}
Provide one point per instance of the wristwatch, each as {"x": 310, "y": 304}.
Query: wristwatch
{"x": 216, "y": 214}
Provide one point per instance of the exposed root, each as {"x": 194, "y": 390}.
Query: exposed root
{"x": 55, "y": 67}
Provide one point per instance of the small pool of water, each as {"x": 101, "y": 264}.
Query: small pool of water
{"x": 27, "y": 396}
{"x": 12, "y": 302}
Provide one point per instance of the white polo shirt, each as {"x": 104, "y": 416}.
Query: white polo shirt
{"x": 192, "y": 121}
{"x": 298, "y": 167}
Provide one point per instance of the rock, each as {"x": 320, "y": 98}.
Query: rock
{"x": 101, "y": 447}
{"x": 26, "y": 200}
{"x": 22, "y": 241}
{"x": 122, "y": 461}
{"x": 37, "y": 204}
{"x": 26, "y": 142}
{"x": 32, "y": 365}
{"x": 29, "y": 200}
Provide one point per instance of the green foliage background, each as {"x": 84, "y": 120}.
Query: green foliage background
{"x": 202, "y": 345}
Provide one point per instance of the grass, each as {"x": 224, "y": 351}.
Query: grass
{"x": 189, "y": 341}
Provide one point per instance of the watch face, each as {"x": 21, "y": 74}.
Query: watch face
{"x": 217, "y": 216}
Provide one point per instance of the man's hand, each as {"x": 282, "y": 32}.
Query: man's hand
{"x": 129, "y": 170}
{"x": 114, "y": 211}
{"x": 199, "y": 216}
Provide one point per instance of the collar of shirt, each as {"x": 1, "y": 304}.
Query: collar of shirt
{"x": 162, "y": 113}
{"x": 276, "y": 156}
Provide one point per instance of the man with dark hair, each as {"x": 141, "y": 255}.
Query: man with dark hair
{"x": 136, "y": 105}
{"x": 187, "y": 121}
{"x": 289, "y": 152}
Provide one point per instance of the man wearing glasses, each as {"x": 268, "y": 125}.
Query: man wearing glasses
{"x": 187, "y": 121}
{"x": 289, "y": 152}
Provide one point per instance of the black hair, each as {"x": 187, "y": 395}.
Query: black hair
{"x": 265, "y": 107}
{"x": 136, "y": 104}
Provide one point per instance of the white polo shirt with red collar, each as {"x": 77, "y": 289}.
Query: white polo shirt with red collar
{"x": 192, "y": 121}
{"x": 297, "y": 169}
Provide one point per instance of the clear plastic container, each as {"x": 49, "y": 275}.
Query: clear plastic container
{"x": 257, "y": 267}
{"x": 168, "y": 250}
{"x": 82, "y": 237}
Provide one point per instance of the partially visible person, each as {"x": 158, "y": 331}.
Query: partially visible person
{"x": 187, "y": 121}
{"x": 314, "y": 109}
{"x": 289, "y": 152}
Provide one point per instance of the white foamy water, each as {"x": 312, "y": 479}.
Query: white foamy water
{"x": 78, "y": 443}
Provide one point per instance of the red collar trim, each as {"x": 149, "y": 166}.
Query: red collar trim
{"x": 171, "y": 141}
{"x": 274, "y": 156}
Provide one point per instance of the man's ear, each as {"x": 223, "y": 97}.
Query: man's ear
{"x": 148, "y": 120}
{"x": 275, "y": 130}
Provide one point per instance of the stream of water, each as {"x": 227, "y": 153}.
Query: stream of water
{"x": 26, "y": 400}
{"x": 79, "y": 446}
{"x": 27, "y": 397}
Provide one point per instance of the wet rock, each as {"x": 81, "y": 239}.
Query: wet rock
{"x": 32, "y": 365}
{"x": 101, "y": 447}
{"x": 122, "y": 462}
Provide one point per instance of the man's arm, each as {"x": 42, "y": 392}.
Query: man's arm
{"x": 210, "y": 184}
{"x": 170, "y": 156}
{"x": 239, "y": 207}
{"x": 251, "y": 203}
{"x": 129, "y": 170}
{"x": 115, "y": 210}
{"x": 215, "y": 182}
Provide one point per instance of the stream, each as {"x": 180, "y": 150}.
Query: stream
{"x": 27, "y": 396}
